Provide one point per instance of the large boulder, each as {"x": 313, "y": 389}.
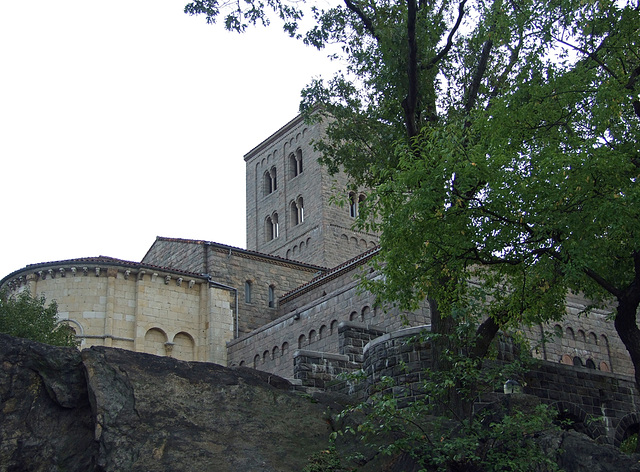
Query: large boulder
{"x": 114, "y": 410}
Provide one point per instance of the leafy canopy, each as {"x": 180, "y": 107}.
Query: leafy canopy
{"x": 500, "y": 143}
{"x": 27, "y": 317}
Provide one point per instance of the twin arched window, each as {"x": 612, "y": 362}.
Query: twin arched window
{"x": 355, "y": 201}
{"x": 272, "y": 229}
{"x": 297, "y": 211}
{"x": 295, "y": 163}
{"x": 270, "y": 181}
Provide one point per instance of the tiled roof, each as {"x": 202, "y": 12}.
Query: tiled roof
{"x": 330, "y": 274}
{"x": 245, "y": 252}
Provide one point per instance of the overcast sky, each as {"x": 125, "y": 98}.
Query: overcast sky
{"x": 125, "y": 120}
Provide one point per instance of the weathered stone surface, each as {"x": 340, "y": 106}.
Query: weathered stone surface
{"x": 108, "y": 409}
{"x": 139, "y": 412}
{"x": 575, "y": 452}
{"x": 156, "y": 413}
{"x": 45, "y": 417}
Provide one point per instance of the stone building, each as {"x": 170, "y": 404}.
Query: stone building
{"x": 291, "y": 296}
{"x": 295, "y": 209}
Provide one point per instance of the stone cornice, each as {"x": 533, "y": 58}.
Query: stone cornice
{"x": 98, "y": 267}
{"x": 297, "y": 121}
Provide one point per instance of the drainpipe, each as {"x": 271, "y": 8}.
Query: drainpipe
{"x": 226, "y": 287}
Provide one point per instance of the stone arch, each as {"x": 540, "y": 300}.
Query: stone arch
{"x": 155, "y": 342}
{"x": 590, "y": 364}
{"x": 74, "y": 325}
{"x": 566, "y": 359}
{"x": 628, "y": 425}
{"x": 256, "y": 361}
{"x": 285, "y": 348}
{"x": 604, "y": 367}
{"x": 312, "y": 336}
{"x": 580, "y": 336}
{"x": 275, "y": 353}
{"x": 572, "y": 417}
{"x": 333, "y": 327}
{"x": 353, "y": 316}
{"x": 265, "y": 356}
{"x": 323, "y": 332}
{"x": 592, "y": 338}
{"x": 366, "y": 311}
{"x": 577, "y": 361}
{"x": 302, "y": 339}
{"x": 183, "y": 347}
{"x": 570, "y": 334}
{"x": 242, "y": 364}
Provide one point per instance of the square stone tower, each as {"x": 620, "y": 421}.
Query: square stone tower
{"x": 292, "y": 201}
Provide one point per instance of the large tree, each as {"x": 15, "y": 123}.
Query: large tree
{"x": 500, "y": 143}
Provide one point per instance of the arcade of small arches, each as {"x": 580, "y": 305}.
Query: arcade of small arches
{"x": 582, "y": 349}
{"x": 309, "y": 338}
{"x": 298, "y": 249}
{"x": 181, "y": 346}
{"x": 359, "y": 243}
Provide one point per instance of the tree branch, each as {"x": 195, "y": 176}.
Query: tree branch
{"x": 410, "y": 102}
{"x": 366, "y": 21}
{"x": 447, "y": 47}
{"x": 605, "y": 284}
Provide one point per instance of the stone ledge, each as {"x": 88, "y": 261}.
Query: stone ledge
{"x": 402, "y": 333}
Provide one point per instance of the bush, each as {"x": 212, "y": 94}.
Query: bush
{"x": 28, "y": 317}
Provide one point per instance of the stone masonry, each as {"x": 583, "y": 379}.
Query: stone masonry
{"x": 141, "y": 307}
{"x": 322, "y": 234}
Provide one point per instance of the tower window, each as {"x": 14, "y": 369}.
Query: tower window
{"x": 272, "y": 297}
{"x": 247, "y": 291}
{"x": 271, "y": 229}
{"x": 295, "y": 163}
{"x": 355, "y": 201}
{"x": 270, "y": 181}
{"x": 297, "y": 211}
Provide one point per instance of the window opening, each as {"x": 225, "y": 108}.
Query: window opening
{"x": 272, "y": 297}
{"x": 247, "y": 292}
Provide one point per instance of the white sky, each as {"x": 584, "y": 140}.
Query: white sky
{"x": 125, "y": 120}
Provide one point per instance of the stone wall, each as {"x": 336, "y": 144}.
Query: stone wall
{"x": 322, "y": 234}
{"x": 310, "y": 319}
{"x": 134, "y": 306}
{"x": 601, "y": 404}
{"x": 585, "y": 339}
{"x": 236, "y": 268}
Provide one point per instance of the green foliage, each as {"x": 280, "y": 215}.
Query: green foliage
{"x": 327, "y": 460}
{"x": 500, "y": 437}
{"x": 27, "y": 317}
{"x": 629, "y": 445}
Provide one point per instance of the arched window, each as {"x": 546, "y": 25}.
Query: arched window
{"x": 270, "y": 181}
{"x": 272, "y": 297}
{"x": 247, "y": 291}
{"x": 295, "y": 163}
{"x": 297, "y": 211}
{"x": 355, "y": 201}
{"x": 353, "y": 205}
{"x": 271, "y": 227}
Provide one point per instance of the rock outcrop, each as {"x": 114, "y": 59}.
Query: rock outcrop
{"x": 113, "y": 410}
